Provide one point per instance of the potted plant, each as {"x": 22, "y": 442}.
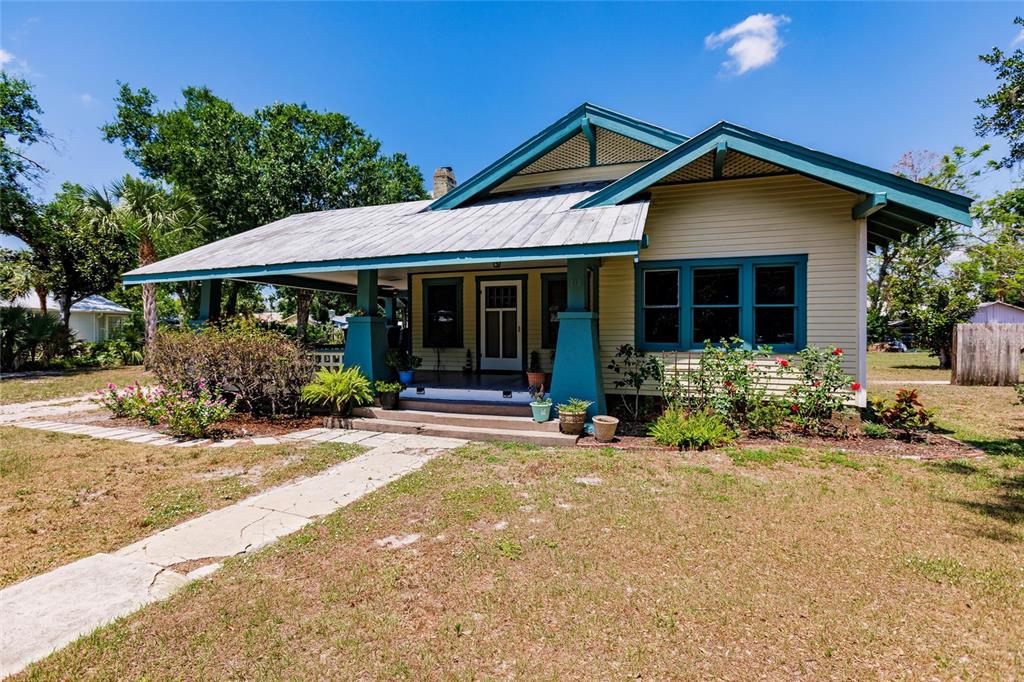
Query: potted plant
{"x": 604, "y": 428}
{"x": 387, "y": 392}
{"x": 404, "y": 362}
{"x": 339, "y": 390}
{"x": 541, "y": 406}
{"x": 534, "y": 374}
{"x": 572, "y": 415}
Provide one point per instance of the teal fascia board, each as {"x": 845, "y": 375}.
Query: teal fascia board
{"x": 603, "y": 249}
{"x": 557, "y": 133}
{"x": 824, "y": 167}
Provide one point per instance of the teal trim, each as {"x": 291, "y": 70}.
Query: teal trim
{"x": 627, "y": 248}
{"x": 524, "y": 313}
{"x": 366, "y": 344}
{"x": 551, "y": 137}
{"x": 588, "y": 132}
{"x": 426, "y": 283}
{"x": 873, "y": 204}
{"x": 209, "y": 300}
{"x": 366, "y": 292}
{"x": 545, "y": 330}
{"x": 721, "y": 150}
{"x": 305, "y": 283}
{"x": 746, "y": 266}
{"x": 824, "y": 167}
{"x": 577, "y": 370}
{"x": 576, "y": 273}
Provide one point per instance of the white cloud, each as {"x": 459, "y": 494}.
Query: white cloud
{"x": 1019, "y": 39}
{"x": 86, "y": 98}
{"x": 755, "y": 42}
{"x": 5, "y": 57}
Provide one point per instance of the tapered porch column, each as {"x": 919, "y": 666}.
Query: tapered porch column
{"x": 209, "y": 300}
{"x": 366, "y": 341}
{"x": 577, "y": 370}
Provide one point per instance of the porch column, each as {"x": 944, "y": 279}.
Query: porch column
{"x": 209, "y": 300}
{"x": 577, "y": 370}
{"x": 366, "y": 341}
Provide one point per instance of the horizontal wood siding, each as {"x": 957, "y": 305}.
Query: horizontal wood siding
{"x": 453, "y": 359}
{"x": 783, "y": 215}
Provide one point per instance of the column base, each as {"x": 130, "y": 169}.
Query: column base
{"x": 366, "y": 343}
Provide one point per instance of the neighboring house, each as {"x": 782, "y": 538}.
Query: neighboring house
{"x": 598, "y": 231}
{"x": 998, "y": 311}
{"x": 94, "y": 318}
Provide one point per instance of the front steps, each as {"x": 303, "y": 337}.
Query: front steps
{"x": 481, "y": 427}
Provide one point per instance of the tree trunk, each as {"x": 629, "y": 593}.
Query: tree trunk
{"x": 41, "y": 294}
{"x": 303, "y": 298}
{"x": 231, "y": 307}
{"x": 147, "y": 256}
{"x": 65, "y": 310}
{"x": 945, "y": 358}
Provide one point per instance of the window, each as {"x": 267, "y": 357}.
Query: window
{"x": 760, "y": 300}
{"x": 554, "y": 299}
{"x": 442, "y": 313}
{"x": 661, "y": 308}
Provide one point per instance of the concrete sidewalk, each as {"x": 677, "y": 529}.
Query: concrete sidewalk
{"x": 45, "y": 613}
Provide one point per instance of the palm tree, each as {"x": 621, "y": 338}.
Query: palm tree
{"x": 20, "y": 274}
{"x": 159, "y": 221}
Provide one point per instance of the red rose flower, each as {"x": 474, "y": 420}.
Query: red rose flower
{"x": 794, "y": 407}
{"x": 837, "y": 351}
{"x": 783, "y": 363}
{"x": 855, "y": 386}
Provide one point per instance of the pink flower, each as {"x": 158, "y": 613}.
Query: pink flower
{"x": 111, "y": 386}
{"x": 855, "y": 386}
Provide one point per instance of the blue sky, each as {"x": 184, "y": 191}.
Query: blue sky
{"x": 460, "y": 84}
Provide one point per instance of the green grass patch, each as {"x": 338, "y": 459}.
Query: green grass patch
{"x": 167, "y": 506}
{"x": 839, "y": 458}
{"x": 765, "y": 456}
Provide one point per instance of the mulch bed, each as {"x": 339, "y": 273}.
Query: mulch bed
{"x": 240, "y": 425}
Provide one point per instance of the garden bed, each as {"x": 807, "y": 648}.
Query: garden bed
{"x": 239, "y": 425}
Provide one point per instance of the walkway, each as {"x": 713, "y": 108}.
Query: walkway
{"x": 45, "y": 613}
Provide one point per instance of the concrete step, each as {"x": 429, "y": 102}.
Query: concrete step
{"x": 481, "y": 421}
{"x": 510, "y": 409}
{"x": 468, "y": 432}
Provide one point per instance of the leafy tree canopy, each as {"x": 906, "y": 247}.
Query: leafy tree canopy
{"x": 1003, "y": 111}
{"x": 20, "y": 126}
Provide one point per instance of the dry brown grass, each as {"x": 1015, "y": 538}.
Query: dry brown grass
{"x": 69, "y": 384}
{"x": 666, "y": 566}
{"x": 65, "y": 497}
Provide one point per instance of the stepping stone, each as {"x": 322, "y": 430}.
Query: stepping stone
{"x": 225, "y": 443}
{"x": 128, "y": 434}
{"x": 164, "y": 441}
{"x": 326, "y": 435}
{"x": 302, "y": 435}
{"x": 352, "y": 436}
{"x": 267, "y": 440}
{"x": 190, "y": 443}
{"x": 147, "y": 438}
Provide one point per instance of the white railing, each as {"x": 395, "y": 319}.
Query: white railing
{"x": 328, "y": 357}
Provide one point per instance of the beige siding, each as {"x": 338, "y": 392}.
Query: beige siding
{"x": 454, "y": 359}
{"x": 758, "y": 217}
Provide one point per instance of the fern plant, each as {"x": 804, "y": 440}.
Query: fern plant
{"x": 340, "y": 390}
{"x": 695, "y": 431}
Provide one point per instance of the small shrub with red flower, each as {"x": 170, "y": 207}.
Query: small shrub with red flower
{"x": 822, "y": 388}
{"x": 134, "y": 401}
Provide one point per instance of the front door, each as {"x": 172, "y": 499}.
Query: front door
{"x": 501, "y": 325}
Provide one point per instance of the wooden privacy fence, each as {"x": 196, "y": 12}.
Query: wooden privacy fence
{"x": 987, "y": 354}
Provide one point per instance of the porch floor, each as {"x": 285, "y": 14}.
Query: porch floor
{"x": 486, "y": 387}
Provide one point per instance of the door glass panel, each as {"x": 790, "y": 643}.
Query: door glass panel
{"x": 501, "y": 297}
{"x": 492, "y": 345}
{"x": 509, "y": 334}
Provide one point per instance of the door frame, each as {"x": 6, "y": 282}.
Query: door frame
{"x": 478, "y": 283}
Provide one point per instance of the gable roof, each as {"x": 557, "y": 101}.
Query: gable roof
{"x": 894, "y": 204}
{"x": 536, "y": 225}
{"x": 89, "y": 304}
{"x": 583, "y": 120}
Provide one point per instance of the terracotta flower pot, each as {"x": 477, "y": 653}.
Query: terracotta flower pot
{"x": 572, "y": 422}
{"x": 604, "y": 428}
{"x": 389, "y": 400}
{"x": 538, "y": 379}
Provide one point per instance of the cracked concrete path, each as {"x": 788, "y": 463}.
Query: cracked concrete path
{"x": 45, "y": 613}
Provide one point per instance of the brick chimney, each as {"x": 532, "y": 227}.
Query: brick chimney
{"x": 444, "y": 181}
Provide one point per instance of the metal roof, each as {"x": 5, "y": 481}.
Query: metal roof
{"x": 89, "y": 304}
{"x": 540, "y": 223}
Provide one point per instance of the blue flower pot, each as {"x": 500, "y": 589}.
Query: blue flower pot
{"x": 541, "y": 412}
{"x": 405, "y": 377}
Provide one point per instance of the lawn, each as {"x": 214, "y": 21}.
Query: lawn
{"x": 983, "y": 416}
{"x": 66, "y": 385}
{"x": 64, "y": 497}
{"x": 522, "y": 562}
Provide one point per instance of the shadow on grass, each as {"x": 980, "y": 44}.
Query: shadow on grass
{"x": 1004, "y": 447}
{"x": 1004, "y": 503}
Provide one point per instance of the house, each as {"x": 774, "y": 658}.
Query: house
{"x": 94, "y": 318}
{"x": 600, "y": 230}
{"x": 998, "y": 311}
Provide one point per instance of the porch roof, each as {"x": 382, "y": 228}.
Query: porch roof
{"x": 535, "y": 225}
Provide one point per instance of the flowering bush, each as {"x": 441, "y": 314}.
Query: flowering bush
{"x": 192, "y": 413}
{"x": 822, "y": 389}
{"x": 135, "y": 401}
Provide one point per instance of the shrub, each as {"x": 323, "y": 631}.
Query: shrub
{"x": 873, "y": 430}
{"x": 822, "y": 389}
{"x": 1019, "y": 388}
{"x": 129, "y": 401}
{"x": 193, "y": 413}
{"x": 262, "y": 369}
{"x": 574, "y": 406}
{"x": 905, "y": 413}
{"x": 766, "y": 417}
{"x": 402, "y": 360}
{"x": 341, "y": 390}
{"x": 387, "y": 387}
{"x": 695, "y": 431}
{"x": 636, "y": 369}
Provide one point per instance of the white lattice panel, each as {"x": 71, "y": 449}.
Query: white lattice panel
{"x": 573, "y": 153}
{"x": 740, "y": 165}
{"x": 615, "y": 148}
{"x": 328, "y": 358}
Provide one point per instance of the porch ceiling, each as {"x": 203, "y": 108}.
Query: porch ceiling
{"x": 531, "y": 226}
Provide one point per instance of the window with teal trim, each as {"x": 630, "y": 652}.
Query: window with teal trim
{"x": 442, "y": 313}
{"x": 681, "y": 304}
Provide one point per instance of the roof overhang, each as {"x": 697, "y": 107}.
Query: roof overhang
{"x": 893, "y": 205}
{"x": 285, "y": 273}
{"x": 582, "y": 119}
